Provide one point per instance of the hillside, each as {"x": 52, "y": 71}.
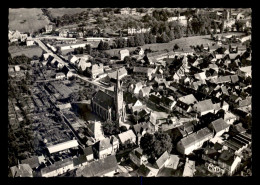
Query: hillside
{"x": 26, "y": 19}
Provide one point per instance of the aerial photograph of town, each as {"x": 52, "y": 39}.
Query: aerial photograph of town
{"x": 129, "y": 92}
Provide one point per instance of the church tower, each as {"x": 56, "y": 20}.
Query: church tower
{"x": 119, "y": 99}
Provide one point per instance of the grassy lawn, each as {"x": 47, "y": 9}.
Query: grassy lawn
{"x": 184, "y": 43}
{"x": 62, "y": 11}
{"x": 27, "y": 19}
{"x": 28, "y": 51}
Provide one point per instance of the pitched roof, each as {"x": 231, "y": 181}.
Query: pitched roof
{"x": 245, "y": 102}
{"x": 79, "y": 160}
{"x": 188, "y": 99}
{"x": 99, "y": 167}
{"x": 204, "y": 105}
{"x": 22, "y": 170}
{"x": 88, "y": 151}
{"x": 104, "y": 144}
{"x": 142, "y": 69}
{"x": 32, "y": 161}
{"x": 103, "y": 99}
{"x": 62, "y": 146}
{"x": 162, "y": 159}
{"x": 173, "y": 162}
{"x": 126, "y": 136}
{"x": 96, "y": 129}
{"x": 234, "y": 78}
{"x": 143, "y": 170}
{"x": 223, "y": 79}
{"x": 189, "y": 169}
{"x": 57, "y": 165}
{"x": 195, "y": 137}
{"x": 121, "y": 72}
{"x": 219, "y": 125}
{"x": 246, "y": 69}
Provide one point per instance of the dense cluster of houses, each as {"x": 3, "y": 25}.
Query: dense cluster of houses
{"x": 202, "y": 100}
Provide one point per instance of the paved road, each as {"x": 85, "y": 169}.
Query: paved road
{"x": 45, "y": 48}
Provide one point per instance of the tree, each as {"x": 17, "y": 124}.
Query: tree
{"x": 155, "y": 145}
{"x": 123, "y": 129}
{"x": 88, "y": 49}
{"x": 127, "y": 59}
{"x": 59, "y": 50}
{"x": 152, "y": 39}
{"x": 131, "y": 42}
{"x": 101, "y": 45}
{"x": 146, "y": 38}
{"x": 171, "y": 35}
{"x": 106, "y": 46}
{"x": 176, "y": 47}
{"x": 163, "y": 38}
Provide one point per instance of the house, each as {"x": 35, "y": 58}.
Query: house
{"x": 144, "y": 92}
{"x": 137, "y": 157}
{"x": 194, "y": 141}
{"x": 82, "y": 64}
{"x": 168, "y": 103}
{"x": 173, "y": 162}
{"x": 121, "y": 54}
{"x": 103, "y": 148}
{"x": 32, "y": 161}
{"x": 72, "y": 59}
{"x": 115, "y": 144}
{"x": 218, "y": 127}
{"x": 139, "y": 51}
{"x": 244, "y": 72}
{"x": 137, "y": 106}
{"x": 29, "y": 42}
{"x": 48, "y": 28}
{"x": 67, "y": 72}
{"x": 228, "y": 161}
{"x": 127, "y": 137}
{"x": 62, "y": 146}
{"x": 57, "y": 168}
{"x": 102, "y": 167}
{"x": 225, "y": 160}
{"x": 157, "y": 118}
{"x": 16, "y": 68}
{"x": 137, "y": 87}
{"x": 184, "y": 104}
{"x": 60, "y": 76}
{"x": 143, "y": 72}
{"x": 162, "y": 160}
{"x": 122, "y": 72}
{"x": 229, "y": 118}
{"x": 21, "y": 170}
{"x": 88, "y": 152}
{"x": 204, "y": 107}
{"x": 189, "y": 168}
{"x": 96, "y": 70}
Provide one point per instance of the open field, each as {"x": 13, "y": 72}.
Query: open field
{"x": 184, "y": 43}
{"x": 62, "y": 11}
{"x": 27, "y": 19}
{"x": 28, "y": 51}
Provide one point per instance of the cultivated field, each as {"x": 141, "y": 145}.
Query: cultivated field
{"x": 27, "y": 19}
{"x": 62, "y": 11}
{"x": 184, "y": 43}
{"x": 28, "y": 51}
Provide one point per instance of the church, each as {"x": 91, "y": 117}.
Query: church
{"x": 110, "y": 105}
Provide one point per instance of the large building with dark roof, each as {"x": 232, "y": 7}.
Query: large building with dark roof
{"x": 109, "y": 106}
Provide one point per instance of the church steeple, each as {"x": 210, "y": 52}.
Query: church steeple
{"x": 118, "y": 98}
